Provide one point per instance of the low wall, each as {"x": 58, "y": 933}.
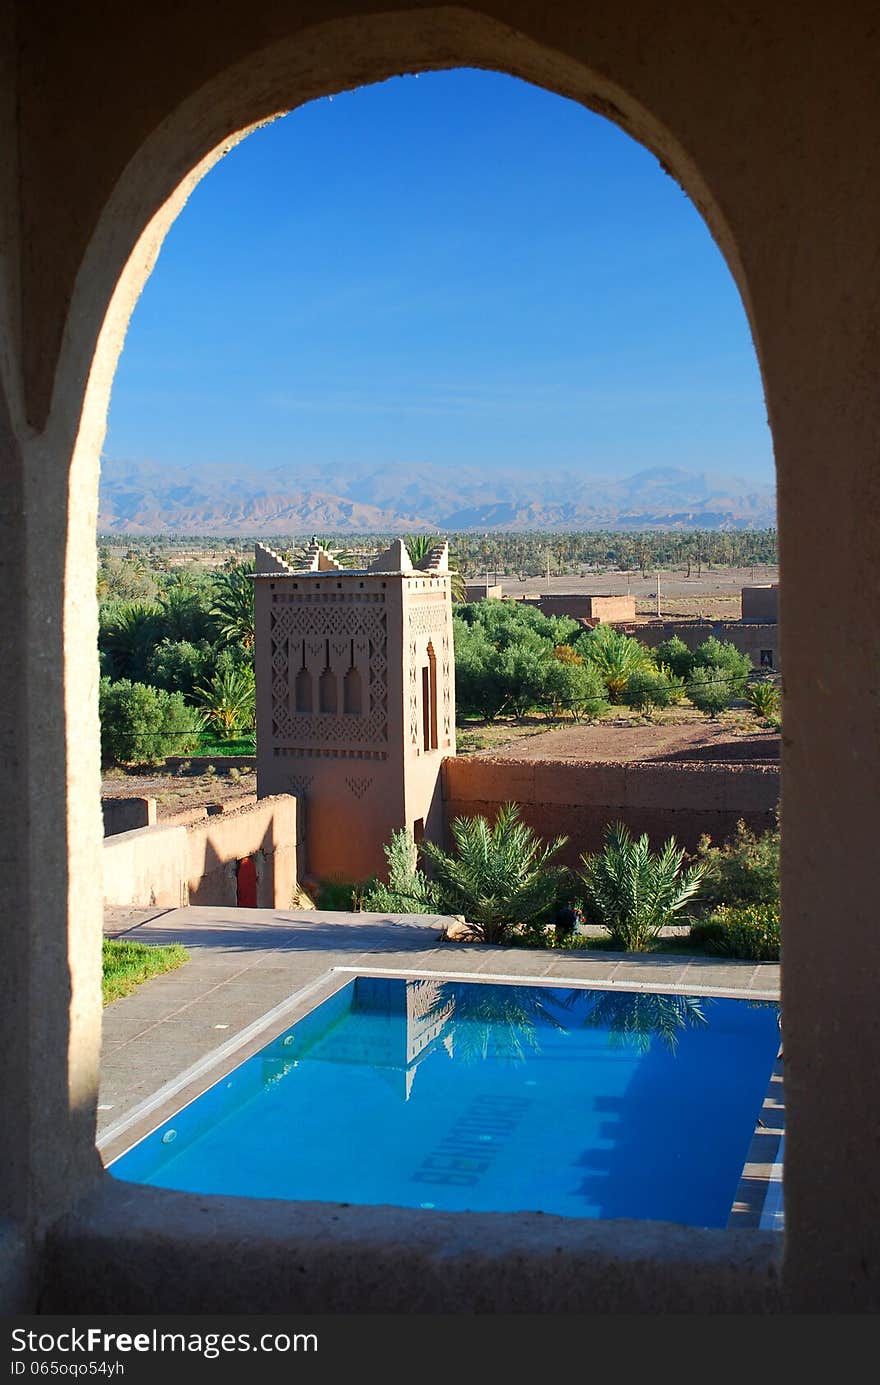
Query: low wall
{"x": 564, "y": 797}
{"x": 146, "y": 866}
{"x": 126, "y": 814}
{"x": 188, "y": 817}
{"x": 197, "y": 863}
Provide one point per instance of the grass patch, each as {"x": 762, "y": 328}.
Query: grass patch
{"x": 209, "y": 744}
{"x": 125, "y": 965}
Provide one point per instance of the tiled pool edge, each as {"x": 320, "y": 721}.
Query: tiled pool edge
{"x": 758, "y": 1201}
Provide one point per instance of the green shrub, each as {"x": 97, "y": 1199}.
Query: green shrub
{"x": 647, "y": 689}
{"x": 141, "y": 725}
{"x": 744, "y": 870}
{"x": 569, "y": 685}
{"x": 337, "y": 895}
{"x": 721, "y": 654}
{"x": 677, "y": 689}
{"x": 750, "y": 932}
{"x": 675, "y": 655}
{"x": 710, "y": 690}
{"x": 409, "y": 891}
{"x": 178, "y": 665}
{"x": 704, "y": 933}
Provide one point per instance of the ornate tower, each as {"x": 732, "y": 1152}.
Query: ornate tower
{"x": 355, "y": 699}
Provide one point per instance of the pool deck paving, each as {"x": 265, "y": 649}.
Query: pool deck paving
{"x": 253, "y": 972}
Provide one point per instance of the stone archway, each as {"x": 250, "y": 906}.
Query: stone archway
{"x": 742, "y": 107}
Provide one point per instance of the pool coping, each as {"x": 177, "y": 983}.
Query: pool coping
{"x": 758, "y": 1200}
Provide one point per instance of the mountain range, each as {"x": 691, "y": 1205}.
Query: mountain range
{"x": 148, "y": 498}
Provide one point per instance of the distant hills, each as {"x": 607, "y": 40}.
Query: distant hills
{"x": 146, "y": 498}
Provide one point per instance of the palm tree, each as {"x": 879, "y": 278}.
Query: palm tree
{"x": 634, "y": 892}
{"x": 228, "y": 702}
{"x": 233, "y": 605}
{"x": 763, "y": 698}
{"x": 129, "y": 639}
{"x": 503, "y": 878}
{"x": 301, "y": 553}
{"x": 616, "y": 657}
{"x": 418, "y": 546}
{"x": 183, "y": 613}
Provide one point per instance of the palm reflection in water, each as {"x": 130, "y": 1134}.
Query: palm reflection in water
{"x": 505, "y": 1022}
{"x": 635, "y": 1019}
{"x": 501, "y": 1022}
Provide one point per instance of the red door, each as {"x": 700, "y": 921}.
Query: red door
{"x": 246, "y": 892}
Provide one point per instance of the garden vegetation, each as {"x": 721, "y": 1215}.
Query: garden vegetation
{"x": 176, "y": 653}
{"x": 507, "y": 886}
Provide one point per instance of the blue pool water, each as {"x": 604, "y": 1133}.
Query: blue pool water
{"x": 472, "y": 1096}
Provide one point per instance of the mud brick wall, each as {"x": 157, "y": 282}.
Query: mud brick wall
{"x": 580, "y": 799}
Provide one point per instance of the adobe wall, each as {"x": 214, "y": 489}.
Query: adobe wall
{"x": 761, "y": 602}
{"x": 479, "y": 591}
{"x": 581, "y": 607}
{"x": 196, "y": 862}
{"x": 146, "y": 866}
{"x": 126, "y": 814}
{"x": 580, "y": 799}
{"x": 267, "y": 832}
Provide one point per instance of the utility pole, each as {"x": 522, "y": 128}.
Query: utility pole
{"x": 658, "y": 595}
{"x": 547, "y": 555}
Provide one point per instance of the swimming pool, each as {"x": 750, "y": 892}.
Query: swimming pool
{"x": 475, "y": 1096}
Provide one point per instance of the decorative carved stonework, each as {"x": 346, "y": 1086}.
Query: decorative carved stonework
{"x": 428, "y": 618}
{"x": 358, "y": 785}
{"x": 318, "y": 636}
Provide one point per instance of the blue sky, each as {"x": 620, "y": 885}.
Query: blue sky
{"x": 457, "y": 268}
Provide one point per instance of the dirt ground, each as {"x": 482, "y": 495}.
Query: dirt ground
{"x": 181, "y": 792}
{"x": 605, "y": 741}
